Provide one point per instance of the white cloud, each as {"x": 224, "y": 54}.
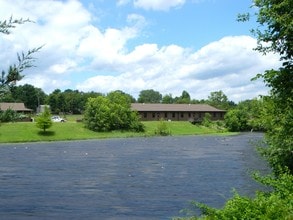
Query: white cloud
{"x": 158, "y": 5}
{"x": 122, "y": 2}
{"x": 99, "y": 59}
{"x": 227, "y": 64}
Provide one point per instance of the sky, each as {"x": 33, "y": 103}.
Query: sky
{"x": 133, "y": 45}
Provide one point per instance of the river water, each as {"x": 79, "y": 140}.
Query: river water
{"x": 135, "y": 178}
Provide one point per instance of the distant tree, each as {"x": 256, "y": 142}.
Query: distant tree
{"x": 149, "y": 96}
{"x": 167, "y": 99}
{"x": 130, "y": 98}
{"x": 56, "y": 100}
{"x": 29, "y": 95}
{"x": 44, "y": 121}
{"x": 184, "y": 98}
{"x": 219, "y": 100}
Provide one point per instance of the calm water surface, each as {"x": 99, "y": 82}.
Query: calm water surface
{"x": 137, "y": 178}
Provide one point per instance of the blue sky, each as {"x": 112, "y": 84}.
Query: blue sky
{"x": 132, "y": 45}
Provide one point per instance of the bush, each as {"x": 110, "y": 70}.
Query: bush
{"x": 236, "y": 120}
{"x": 112, "y": 112}
{"x": 44, "y": 120}
{"x": 207, "y": 120}
{"x": 8, "y": 116}
{"x": 162, "y": 128}
{"x": 277, "y": 204}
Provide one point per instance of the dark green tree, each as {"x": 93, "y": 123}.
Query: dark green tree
{"x": 56, "y": 100}
{"x": 29, "y": 95}
{"x": 184, "y": 98}
{"x": 219, "y": 100}
{"x": 149, "y": 96}
{"x": 167, "y": 99}
{"x": 236, "y": 120}
{"x": 111, "y": 112}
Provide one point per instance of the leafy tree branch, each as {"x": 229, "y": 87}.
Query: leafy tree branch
{"x": 7, "y": 25}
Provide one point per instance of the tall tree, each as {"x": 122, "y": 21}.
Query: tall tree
{"x": 167, "y": 99}
{"x": 184, "y": 98}
{"x": 219, "y": 100}
{"x": 29, "y": 95}
{"x": 276, "y": 35}
{"x": 149, "y": 96}
{"x": 56, "y": 101}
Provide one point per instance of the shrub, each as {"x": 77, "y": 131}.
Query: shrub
{"x": 276, "y": 204}
{"x": 44, "y": 120}
{"x": 112, "y": 112}
{"x": 207, "y": 120}
{"x": 162, "y": 128}
{"x": 8, "y": 116}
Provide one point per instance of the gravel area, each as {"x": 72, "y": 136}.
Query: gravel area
{"x": 135, "y": 178}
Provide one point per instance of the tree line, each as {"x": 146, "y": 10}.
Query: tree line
{"x": 73, "y": 101}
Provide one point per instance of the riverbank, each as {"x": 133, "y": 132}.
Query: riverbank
{"x": 71, "y": 130}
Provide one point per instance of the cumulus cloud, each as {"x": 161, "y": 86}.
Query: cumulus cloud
{"x": 79, "y": 55}
{"x": 158, "y": 5}
{"x": 227, "y": 64}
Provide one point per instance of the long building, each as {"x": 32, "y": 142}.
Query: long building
{"x": 177, "y": 112}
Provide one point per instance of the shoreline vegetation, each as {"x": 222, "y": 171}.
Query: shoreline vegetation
{"x": 18, "y": 132}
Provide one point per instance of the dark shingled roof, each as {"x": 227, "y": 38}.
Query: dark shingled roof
{"x": 19, "y": 107}
{"x": 146, "y": 107}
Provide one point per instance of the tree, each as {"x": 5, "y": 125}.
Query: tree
{"x": 111, "y": 112}
{"x": 44, "y": 120}
{"x": 184, "y": 98}
{"x": 236, "y": 120}
{"x": 167, "y": 99}
{"x": 149, "y": 96}
{"x": 29, "y": 95}
{"x": 56, "y": 100}
{"x": 276, "y": 35}
{"x": 219, "y": 100}
{"x": 25, "y": 60}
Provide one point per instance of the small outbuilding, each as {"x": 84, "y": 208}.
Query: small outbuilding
{"x": 177, "y": 112}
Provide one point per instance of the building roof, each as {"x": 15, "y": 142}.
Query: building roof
{"x": 146, "y": 107}
{"x": 19, "y": 107}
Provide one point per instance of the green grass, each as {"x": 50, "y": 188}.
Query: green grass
{"x": 71, "y": 130}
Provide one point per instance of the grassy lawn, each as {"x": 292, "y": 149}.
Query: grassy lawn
{"x": 71, "y": 130}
